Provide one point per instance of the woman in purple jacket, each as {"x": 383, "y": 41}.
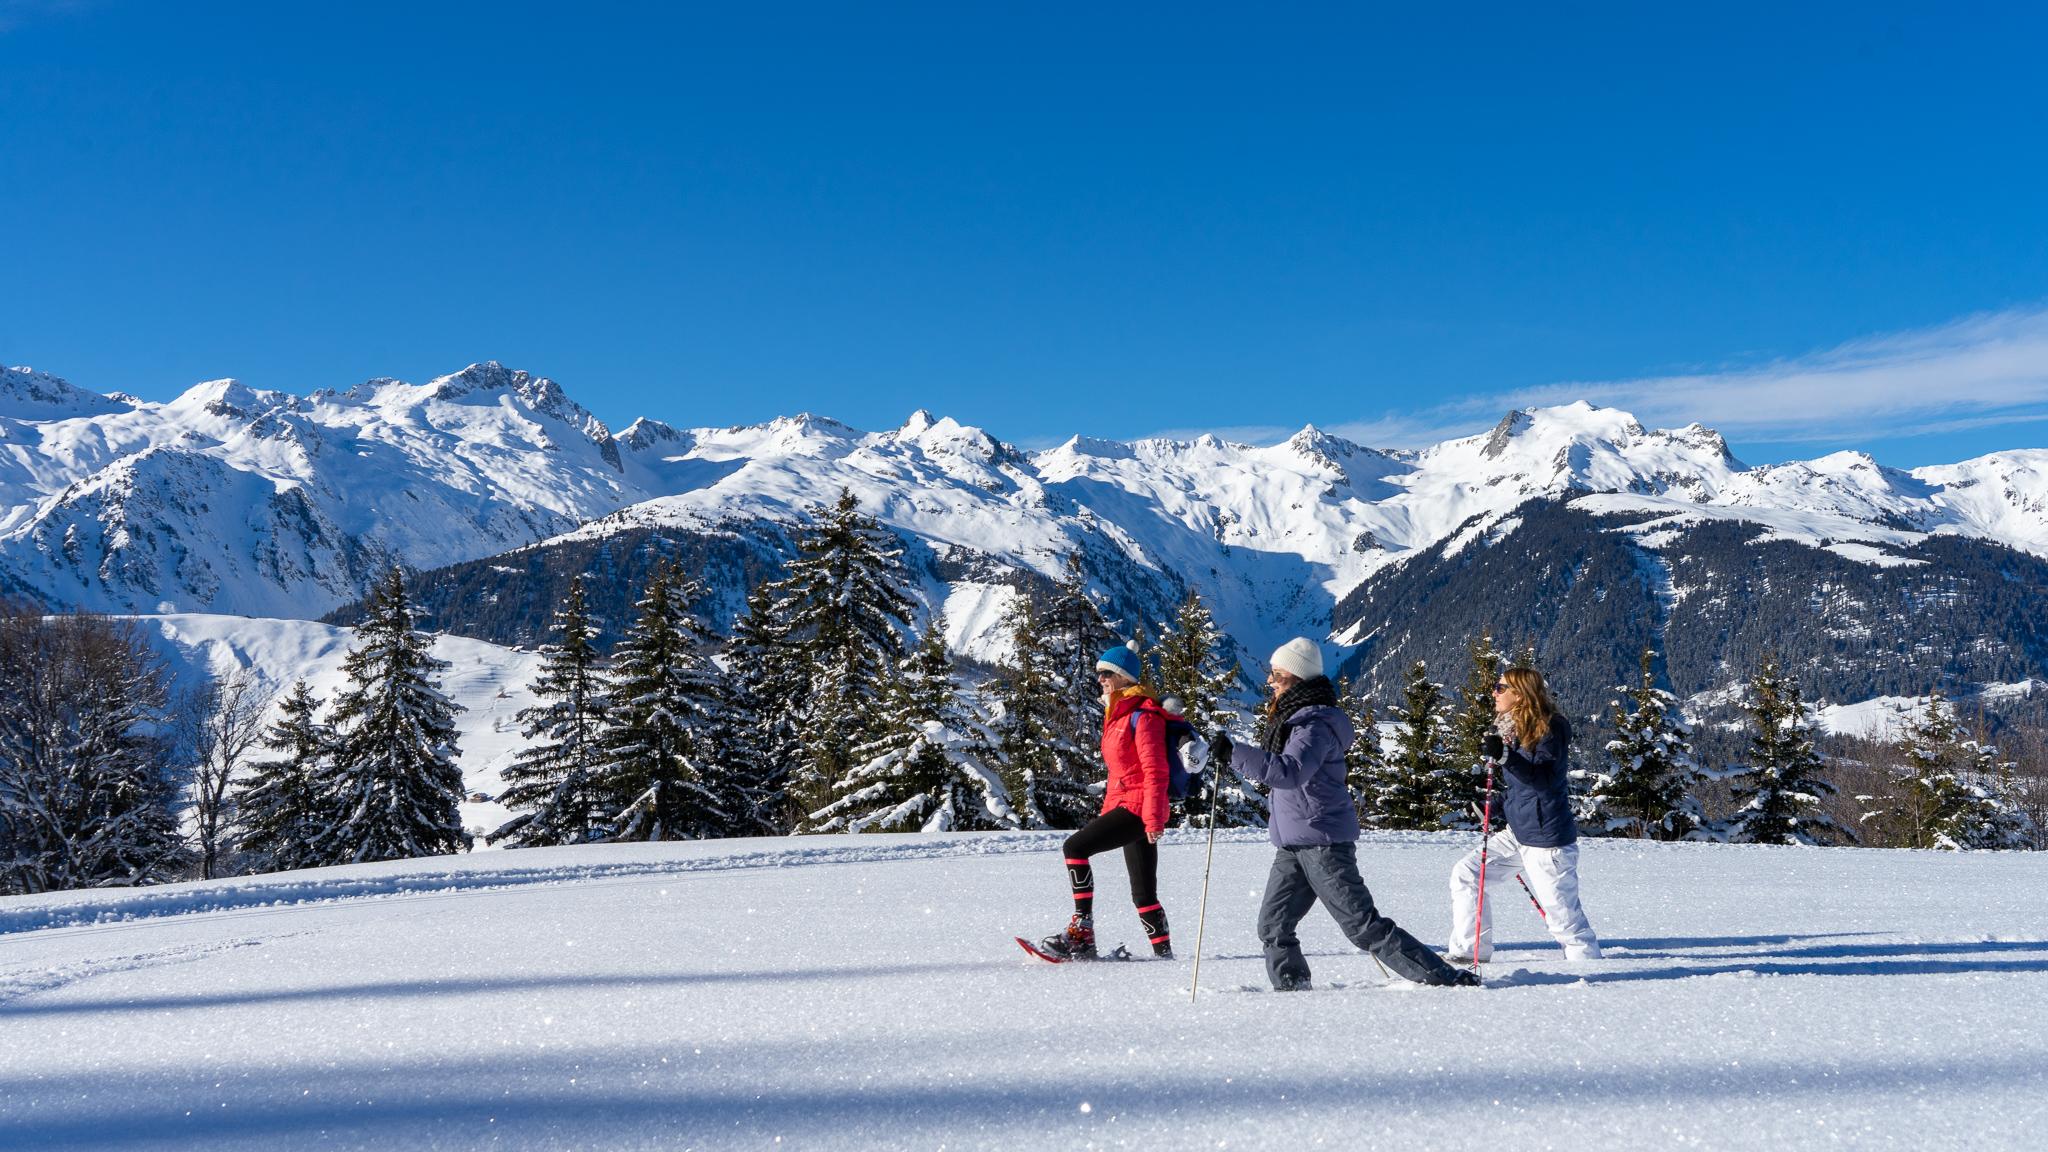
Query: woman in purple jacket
{"x": 1315, "y": 828}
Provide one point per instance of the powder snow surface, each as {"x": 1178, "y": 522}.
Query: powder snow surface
{"x": 840, "y": 992}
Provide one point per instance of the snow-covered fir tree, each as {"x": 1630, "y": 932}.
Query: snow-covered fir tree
{"x": 1644, "y": 786}
{"x": 282, "y": 798}
{"x": 87, "y": 789}
{"x": 927, "y": 771}
{"x": 1365, "y": 762}
{"x": 844, "y": 611}
{"x": 658, "y": 771}
{"x": 757, "y": 726}
{"x": 1189, "y": 665}
{"x": 1074, "y": 636}
{"x": 396, "y": 788}
{"x": 1027, "y": 710}
{"x": 1779, "y": 794}
{"x": 1411, "y": 791}
{"x": 1469, "y": 727}
{"x": 1994, "y": 816}
{"x": 1954, "y": 793}
{"x": 553, "y": 782}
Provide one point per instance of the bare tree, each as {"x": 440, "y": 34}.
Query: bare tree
{"x": 219, "y": 725}
{"x": 86, "y": 781}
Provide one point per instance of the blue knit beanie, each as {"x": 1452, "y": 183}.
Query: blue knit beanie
{"x": 1121, "y": 659}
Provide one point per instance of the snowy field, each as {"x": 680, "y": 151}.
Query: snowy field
{"x": 863, "y": 992}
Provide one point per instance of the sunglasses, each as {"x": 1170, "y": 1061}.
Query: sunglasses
{"x": 1500, "y": 688}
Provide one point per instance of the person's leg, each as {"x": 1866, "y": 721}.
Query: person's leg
{"x": 1502, "y": 861}
{"x": 1109, "y": 830}
{"x": 1288, "y": 897}
{"x": 1112, "y": 829}
{"x": 1554, "y": 877}
{"x": 1141, "y": 860}
{"x": 1332, "y": 871}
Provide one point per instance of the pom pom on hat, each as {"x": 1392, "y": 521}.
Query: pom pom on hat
{"x": 1123, "y": 661}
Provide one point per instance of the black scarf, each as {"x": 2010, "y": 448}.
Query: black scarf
{"x": 1302, "y": 695}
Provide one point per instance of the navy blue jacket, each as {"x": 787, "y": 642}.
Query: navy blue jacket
{"x": 1311, "y": 805}
{"x": 1539, "y": 809}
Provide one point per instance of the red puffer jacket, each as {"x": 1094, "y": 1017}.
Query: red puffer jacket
{"x": 1136, "y": 755}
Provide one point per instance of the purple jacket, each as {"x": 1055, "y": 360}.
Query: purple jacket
{"x": 1311, "y": 805}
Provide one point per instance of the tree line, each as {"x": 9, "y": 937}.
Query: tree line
{"x": 825, "y": 711}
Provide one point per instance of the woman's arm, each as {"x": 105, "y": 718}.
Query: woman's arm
{"x": 1150, "y": 732}
{"x": 1306, "y": 748}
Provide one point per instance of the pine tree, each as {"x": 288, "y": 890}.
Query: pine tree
{"x": 396, "y": 787}
{"x": 845, "y": 610}
{"x": 1410, "y": 792}
{"x": 658, "y": 771}
{"x": 1189, "y": 666}
{"x": 1468, "y": 732}
{"x": 1950, "y": 794}
{"x": 1027, "y": 711}
{"x": 87, "y": 791}
{"x": 552, "y": 782}
{"x": 1074, "y": 635}
{"x": 761, "y": 695}
{"x": 282, "y": 800}
{"x": 1993, "y": 816}
{"x": 1780, "y": 792}
{"x": 1645, "y": 786}
{"x": 1365, "y": 762}
{"x": 926, "y": 772}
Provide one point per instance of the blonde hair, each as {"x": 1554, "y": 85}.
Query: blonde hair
{"x": 1532, "y": 708}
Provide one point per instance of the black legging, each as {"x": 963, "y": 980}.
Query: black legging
{"x": 1119, "y": 827}
{"x": 1116, "y": 828}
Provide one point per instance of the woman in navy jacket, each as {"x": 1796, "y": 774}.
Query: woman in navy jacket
{"x": 1541, "y": 839}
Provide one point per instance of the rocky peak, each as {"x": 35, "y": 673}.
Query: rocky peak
{"x": 26, "y": 394}
{"x": 1511, "y": 425}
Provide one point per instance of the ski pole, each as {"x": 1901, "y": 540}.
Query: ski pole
{"x": 1532, "y": 896}
{"x": 1202, "y": 918}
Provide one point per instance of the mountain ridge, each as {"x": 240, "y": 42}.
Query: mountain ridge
{"x": 265, "y": 503}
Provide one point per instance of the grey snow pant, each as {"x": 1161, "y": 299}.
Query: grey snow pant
{"x": 1329, "y": 872}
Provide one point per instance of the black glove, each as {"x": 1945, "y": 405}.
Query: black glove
{"x": 1220, "y": 748}
{"x": 1492, "y": 748}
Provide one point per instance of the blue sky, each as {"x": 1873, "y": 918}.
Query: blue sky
{"x": 1814, "y": 227}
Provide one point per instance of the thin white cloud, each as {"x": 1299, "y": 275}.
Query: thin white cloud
{"x": 1979, "y": 372}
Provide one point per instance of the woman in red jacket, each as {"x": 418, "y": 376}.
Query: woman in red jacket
{"x": 1133, "y": 809}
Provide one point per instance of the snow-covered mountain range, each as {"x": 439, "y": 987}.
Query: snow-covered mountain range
{"x": 233, "y": 500}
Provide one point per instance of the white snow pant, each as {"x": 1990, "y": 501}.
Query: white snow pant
{"x": 1553, "y": 875}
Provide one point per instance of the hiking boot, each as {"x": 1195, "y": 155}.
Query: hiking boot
{"x": 1460, "y": 978}
{"x": 1077, "y": 942}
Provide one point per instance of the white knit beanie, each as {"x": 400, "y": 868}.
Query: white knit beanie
{"x": 1301, "y": 656}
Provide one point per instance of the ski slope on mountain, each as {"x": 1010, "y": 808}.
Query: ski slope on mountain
{"x": 862, "y": 992}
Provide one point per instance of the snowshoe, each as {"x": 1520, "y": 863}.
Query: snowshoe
{"x": 1075, "y": 942}
{"x": 1117, "y": 953}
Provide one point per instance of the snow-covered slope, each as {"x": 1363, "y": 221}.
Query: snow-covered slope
{"x": 863, "y": 992}
{"x": 268, "y": 504}
{"x": 229, "y": 499}
{"x": 489, "y": 682}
